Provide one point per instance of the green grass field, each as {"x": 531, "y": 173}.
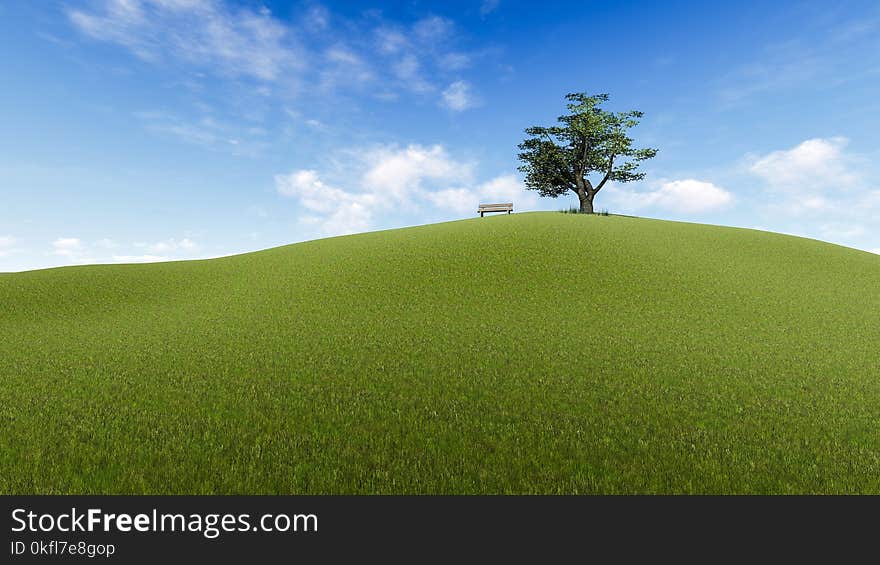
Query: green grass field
{"x": 531, "y": 353}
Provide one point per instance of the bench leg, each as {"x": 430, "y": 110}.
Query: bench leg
{"x": 481, "y": 214}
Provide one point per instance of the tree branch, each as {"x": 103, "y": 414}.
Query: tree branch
{"x": 583, "y": 166}
{"x": 607, "y": 175}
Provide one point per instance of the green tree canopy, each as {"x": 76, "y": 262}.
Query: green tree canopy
{"x": 588, "y": 140}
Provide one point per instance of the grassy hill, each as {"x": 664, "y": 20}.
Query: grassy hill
{"x": 528, "y": 353}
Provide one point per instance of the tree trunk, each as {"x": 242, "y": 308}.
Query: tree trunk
{"x": 586, "y": 199}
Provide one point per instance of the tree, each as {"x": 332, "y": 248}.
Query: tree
{"x": 588, "y": 140}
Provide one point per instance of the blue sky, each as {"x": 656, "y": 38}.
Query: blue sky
{"x": 144, "y": 130}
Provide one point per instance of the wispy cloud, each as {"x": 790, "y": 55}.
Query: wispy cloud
{"x": 422, "y": 54}
{"x": 408, "y": 70}
{"x": 433, "y": 29}
{"x": 390, "y": 40}
{"x": 489, "y": 6}
{"x": 830, "y": 56}
{"x": 317, "y": 18}
{"x": 235, "y": 137}
{"x": 204, "y": 33}
{"x": 213, "y": 37}
{"x": 459, "y": 96}
{"x": 455, "y": 61}
{"x": 786, "y": 67}
{"x": 265, "y": 62}
{"x": 344, "y": 68}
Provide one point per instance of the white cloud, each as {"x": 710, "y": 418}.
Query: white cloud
{"x": 333, "y": 210}
{"x": 197, "y": 32}
{"x": 388, "y": 179}
{"x": 812, "y": 203}
{"x": 871, "y": 199}
{"x": 686, "y": 196}
{"x": 169, "y": 249}
{"x": 815, "y": 164}
{"x": 820, "y": 189}
{"x": 507, "y": 188}
{"x": 6, "y": 243}
{"x": 398, "y": 172}
{"x": 876, "y": 251}
{"x": 72, "y": 250}
{"x": 817, "y": 176}
{"x": 171, "y": 245}
{"x": 460, "y": 200}
{"x": 77, "y": 251}
{"x": 107, "y": 243}
{"x": 504, "y": 188}
{"x": 347, "y": 218}
{"x": 840, "y": 230}
{"x": 458, "y": 96}
{"x": 67, "y": 246}
{"x": 314, "y": 194}
{"x": 139, "y": 258}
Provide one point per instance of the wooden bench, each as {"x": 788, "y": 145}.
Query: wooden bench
{"x": 483, "y": 208}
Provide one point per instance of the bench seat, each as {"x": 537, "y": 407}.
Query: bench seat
{"x": 503, "y": 207}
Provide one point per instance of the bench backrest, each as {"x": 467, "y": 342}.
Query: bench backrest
{"x": 490, "y": 207}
